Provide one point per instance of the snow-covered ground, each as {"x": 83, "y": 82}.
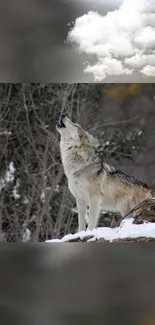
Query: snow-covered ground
{"x": 126, "y": 230}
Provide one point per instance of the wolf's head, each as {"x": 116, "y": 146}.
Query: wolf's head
{"x": 73, "y": 134}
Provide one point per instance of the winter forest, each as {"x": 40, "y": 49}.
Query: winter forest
{"x": 35, "y": 203}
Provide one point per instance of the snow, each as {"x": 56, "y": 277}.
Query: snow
{"x": 8, "y": 177}
{"x": 123, "y": 40}
{"x": 42, "y": 196}
{"x": 16, "y": 194}
{"x": 5, "y": 132}
{"x": 125, "y": 230}
{"x": 27, "y": 235}
{"x": 10, "y": 173}
{"x": 26, "y": 200}
{"x": 57, "y": 189}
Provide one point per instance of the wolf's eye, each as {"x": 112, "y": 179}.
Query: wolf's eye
{"x": 76, "y": 125}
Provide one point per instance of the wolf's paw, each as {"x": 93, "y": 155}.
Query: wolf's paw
{"x": 91, "y": 228}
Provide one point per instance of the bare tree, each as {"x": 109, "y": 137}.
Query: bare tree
{"x": 35, "y": 203}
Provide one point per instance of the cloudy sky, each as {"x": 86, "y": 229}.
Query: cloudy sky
{"x": 118, "y": 38}
{"x": 78, "y": 41}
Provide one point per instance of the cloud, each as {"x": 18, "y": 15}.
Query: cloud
{"x": 107, "y": 66}
{"x": 149, "y": 71}
{"x": 139, "y": 60}
{"x": 122, "y": 41}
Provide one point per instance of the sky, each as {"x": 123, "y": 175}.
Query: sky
{"x": 120, "y": 41}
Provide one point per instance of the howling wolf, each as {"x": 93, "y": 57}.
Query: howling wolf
{"x": 93, "y": 182}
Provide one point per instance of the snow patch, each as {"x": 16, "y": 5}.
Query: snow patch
{"x": 15, "y": 192}
{"x": 42, "y": 197}
{"x": 57, "y": 189}
{"x": 8, "y": 177}
{"x": 10, "y": 173}
{"x": 27, "y": 235}
{"x": 5, "y": 132}
{"x": 125, "y": 230}
{"x": 25, "y": 200}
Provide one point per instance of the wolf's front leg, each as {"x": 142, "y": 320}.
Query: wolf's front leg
{"x": 82, "y": 209}
{"x": 94, "y": 210}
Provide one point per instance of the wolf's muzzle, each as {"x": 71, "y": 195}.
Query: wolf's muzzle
{"x": 61, "y": 122}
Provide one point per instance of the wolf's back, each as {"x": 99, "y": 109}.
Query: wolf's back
{"x": 127, "y": 179}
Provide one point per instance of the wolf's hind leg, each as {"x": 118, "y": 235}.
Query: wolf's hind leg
{"x": 82, "y": 209}
{"x": 94, "y": 210}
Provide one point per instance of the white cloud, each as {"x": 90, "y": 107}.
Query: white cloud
{"x": 139, "y": 60}
{"x": 122, "y": 40}
{"x": 149, "y": 19}
{"x": 145, "y": 38}
{"x": 149, "y": 71}
{"x": 107, "y": 66}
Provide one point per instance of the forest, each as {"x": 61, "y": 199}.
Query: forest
{"x": 35, "y": 203}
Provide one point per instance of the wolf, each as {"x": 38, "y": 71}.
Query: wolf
{"x": 93, "y": 182}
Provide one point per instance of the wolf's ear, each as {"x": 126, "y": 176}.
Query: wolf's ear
{"x": 93, "y": 140}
